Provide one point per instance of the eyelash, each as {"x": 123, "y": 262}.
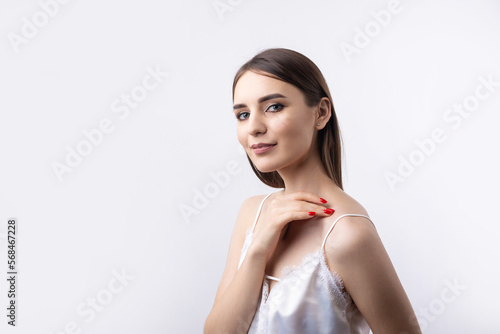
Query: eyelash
{"x": 272, "y": 105}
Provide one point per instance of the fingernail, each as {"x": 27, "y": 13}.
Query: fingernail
{"x": 311, "y": 213}
{"x": 322, "y": 200}
{"x": 328, "y": 211}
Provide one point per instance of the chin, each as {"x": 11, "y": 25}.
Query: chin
{"x": 266, "y": 168}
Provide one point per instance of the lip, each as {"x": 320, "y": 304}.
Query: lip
{"x": 262, "y": 147}
{"x": 259, "y": 145}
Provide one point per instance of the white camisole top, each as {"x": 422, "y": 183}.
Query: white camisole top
{"x": 308, "y": 299}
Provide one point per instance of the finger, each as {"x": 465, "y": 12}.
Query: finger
{"x": 307, "y": 196}
{"x": 308, "y": 206}
{"x": 298, "y": 215}
{"x": 320, "y": 211}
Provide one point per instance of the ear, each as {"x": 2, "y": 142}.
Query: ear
{"x": 323, "y": 112}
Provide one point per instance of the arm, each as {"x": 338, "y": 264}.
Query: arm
{"x": 359, "y": 257}
{"x": 238, "y": 292}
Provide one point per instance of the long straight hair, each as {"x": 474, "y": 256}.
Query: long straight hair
{"x": 295, "y": 68}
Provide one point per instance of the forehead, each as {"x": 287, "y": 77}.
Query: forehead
{"x": 253, "y": 85}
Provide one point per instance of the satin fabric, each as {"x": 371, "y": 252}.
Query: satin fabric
{"x": 307, "y": 299}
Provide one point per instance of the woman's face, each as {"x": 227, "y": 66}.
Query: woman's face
{"x": 271, "y": 111}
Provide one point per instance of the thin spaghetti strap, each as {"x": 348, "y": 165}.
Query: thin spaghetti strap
{"x": 273, "y": 278}
{"x": 248, "y": 237}
{"x": 335, "y": 222}
{"x": 258, "y": 210}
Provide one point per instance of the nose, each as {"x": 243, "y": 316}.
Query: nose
{"x": 257, "y": 123}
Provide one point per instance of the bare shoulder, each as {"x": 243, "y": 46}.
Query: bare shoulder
{"x": 246, "y": 216}
{"x": 356, "y": 253}
{"x": 248, "y": 210}
{"x": 344, "y": 203}
{"x": 354, "y": 247}
{"x": 351, "y": 235}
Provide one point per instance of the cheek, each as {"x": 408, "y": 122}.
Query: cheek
{"x": 288, "y": 128}
{"x": 239, "y": 135}
{"x": 282, "y": 125}
{"x": 293, "y": 133}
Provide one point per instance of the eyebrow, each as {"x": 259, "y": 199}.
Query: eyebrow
{"x": 260, "y": 100}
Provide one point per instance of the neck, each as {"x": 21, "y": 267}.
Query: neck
{"x": 308, "y": 174}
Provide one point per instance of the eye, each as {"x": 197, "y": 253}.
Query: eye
{"x": 274, "y": 107}
{"x": 241, "y": 113}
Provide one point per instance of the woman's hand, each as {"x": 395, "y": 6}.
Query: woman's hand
{"x": 277, "y": 212}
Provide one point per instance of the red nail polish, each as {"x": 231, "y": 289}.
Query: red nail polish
{"x": 322, "y": 200}
{"x": 311, "y": 213}
{"x": 328, "y": 211}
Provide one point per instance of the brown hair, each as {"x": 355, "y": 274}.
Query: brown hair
{"x": 295, "y": 68}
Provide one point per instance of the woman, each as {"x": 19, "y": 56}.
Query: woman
{"x": 288, "y": 270}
